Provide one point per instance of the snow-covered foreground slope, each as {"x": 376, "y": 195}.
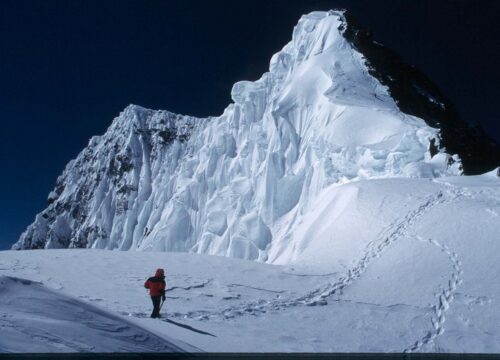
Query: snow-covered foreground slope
{"x": 381, "y": 265}
{"x": 240, "y": 184}
{"x": 34, "y": 318}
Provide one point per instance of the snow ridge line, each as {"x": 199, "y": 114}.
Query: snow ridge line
{"x": 444, "y": 298}
{"x": 373, "y": 250}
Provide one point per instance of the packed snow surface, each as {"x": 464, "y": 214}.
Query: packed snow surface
{"x": 364, "y": 241}
{"x": 241, "y": 184}
{"x": 34, "y": 318}
{"x": 385, "y": 265}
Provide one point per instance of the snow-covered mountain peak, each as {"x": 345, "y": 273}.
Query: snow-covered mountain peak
{"x": 318, "y": 64}
{"x": 240, "y": 184}
{"x": 137, "y": 118}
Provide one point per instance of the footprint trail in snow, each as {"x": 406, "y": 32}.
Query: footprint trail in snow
{"x": 318, "y": 297}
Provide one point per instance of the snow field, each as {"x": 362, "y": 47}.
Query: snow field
{"x": 386, "y": 265}
{"x": 34, "y": 318}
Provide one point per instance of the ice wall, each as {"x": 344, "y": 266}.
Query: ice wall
{"x": 239, "y": 184}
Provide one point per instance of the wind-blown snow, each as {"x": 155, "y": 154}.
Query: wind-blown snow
{"x": 34, "y": 318}
{"x": 313, "y": 169}
{"x": 385, "y": 265}
{"x": 240, "y": 184}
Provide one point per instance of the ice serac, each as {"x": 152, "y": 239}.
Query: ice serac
{"x": 241, "y": 183}
{"x": 415, "y": 94}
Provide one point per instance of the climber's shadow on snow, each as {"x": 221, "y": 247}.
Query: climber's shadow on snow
{"x": 188, "y": 327}
{"x": 51, "y": 321}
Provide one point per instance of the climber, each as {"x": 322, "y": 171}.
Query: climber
{"x": 156, "y": 285}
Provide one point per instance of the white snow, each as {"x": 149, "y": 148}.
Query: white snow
{"x": 362, "y": 241}
{"x": 383, "y": 265}
{"x": 240, "y": 184}
{"x": 34, "y": 318}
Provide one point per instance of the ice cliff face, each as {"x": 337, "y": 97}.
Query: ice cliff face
{"x": 239, "y": 184}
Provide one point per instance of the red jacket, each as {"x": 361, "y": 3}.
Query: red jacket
{"x": 156, "y": 285}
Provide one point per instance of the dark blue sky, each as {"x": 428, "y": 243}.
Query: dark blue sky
{"x": 68, "y": 67}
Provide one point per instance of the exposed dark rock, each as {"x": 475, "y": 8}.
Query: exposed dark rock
{"x": 416, "y": 95}
{"x": 119, "y": 165}
{"x": 168, "y": 135}
{"x": 126, "y": 189}
{"x": 183, "y": 137}
{"x": 433, "y": 149}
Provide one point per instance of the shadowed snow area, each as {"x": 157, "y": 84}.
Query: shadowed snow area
{"x": 34, "y": 318}
{"x": 362, "y": 236}
{"x": 385, "y": 265}
{"x": 240, "y": 184}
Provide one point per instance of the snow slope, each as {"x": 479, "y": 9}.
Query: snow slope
{"x": 375, "y": 244}
{"x": 407, "y": 265}
{"x": 240, "y": 184}
{"x": 34, "y": 318}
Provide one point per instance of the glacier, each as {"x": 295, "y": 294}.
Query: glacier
{"x": 245, "y": 184}
{"x": 379, "y": 265}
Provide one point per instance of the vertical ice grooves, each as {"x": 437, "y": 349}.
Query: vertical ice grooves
{"x": 161, "y": 181}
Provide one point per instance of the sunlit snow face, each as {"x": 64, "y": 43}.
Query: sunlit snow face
{"x": 242, "y": 183}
